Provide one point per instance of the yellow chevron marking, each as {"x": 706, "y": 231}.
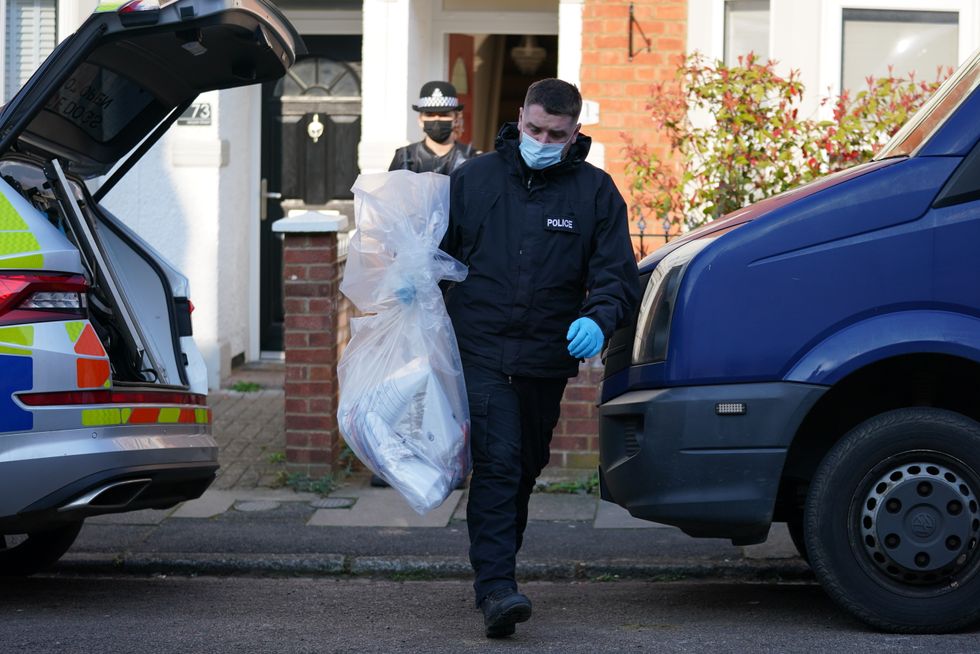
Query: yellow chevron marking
{"x": 17, "y": 335}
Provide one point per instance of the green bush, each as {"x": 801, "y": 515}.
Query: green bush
{"x": 735, "y": 137}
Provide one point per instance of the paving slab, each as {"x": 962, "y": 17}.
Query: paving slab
{"x": 361, "y": 488}
{"x": 214, "y": 502}
{"x": 460, "y": 513}
{"x": 550, "y": 506}
{"x": 209, "y": 505}
{"x": 383, "y": 507}
{"x": 251, "y": 506}
{"x": 561, "y": 506}
{"x": 273, "y": 495}
{"x": 613, "y": 516}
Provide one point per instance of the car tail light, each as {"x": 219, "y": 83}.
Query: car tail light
{"x": 184, "y": 310}
{"x": 41, "y": 298}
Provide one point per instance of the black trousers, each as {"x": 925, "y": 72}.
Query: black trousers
{"x": 511, "y": 420}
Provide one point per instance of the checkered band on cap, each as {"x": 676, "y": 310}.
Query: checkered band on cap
{"x": 438, "y": 101}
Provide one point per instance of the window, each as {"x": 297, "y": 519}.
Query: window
{"x": 31, "y": 34}
{"x": 746, "y": 29}
{"x": 940, "y": 106}
{"x": 319, "y": 76}
{"x": 873, "y": 40}
{"x": 99, "y": 102}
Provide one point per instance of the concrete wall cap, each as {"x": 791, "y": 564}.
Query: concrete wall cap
{"x": 311, "y": 222}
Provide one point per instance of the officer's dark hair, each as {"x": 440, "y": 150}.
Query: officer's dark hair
{"x": 555, "y": 96}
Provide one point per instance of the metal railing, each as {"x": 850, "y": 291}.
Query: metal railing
{"x": 644, "y": 241}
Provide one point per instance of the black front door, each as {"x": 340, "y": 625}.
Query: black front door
{"x": 311, "y": 125}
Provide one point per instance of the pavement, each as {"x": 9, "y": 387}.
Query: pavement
{"x": 250, "y": 522}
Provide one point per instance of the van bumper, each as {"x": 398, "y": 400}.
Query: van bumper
{"x": 667, "y": 456}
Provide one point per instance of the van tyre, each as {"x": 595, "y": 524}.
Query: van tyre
{"x": 892, "y": 521}
{"x": 40, "y": 550}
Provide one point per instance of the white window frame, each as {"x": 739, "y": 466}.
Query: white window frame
{"x": 708, "y": 36}
{"x": 720, "y": 29}
{"x": 832, "y": 29}
{"x": 3, "y": 36}
{"x": 69, "y": 15}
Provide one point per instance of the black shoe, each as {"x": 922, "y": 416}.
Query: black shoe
{"x": 502, "y": 609}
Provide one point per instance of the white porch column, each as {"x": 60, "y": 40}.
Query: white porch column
{"x": 570, "y": 68}
{"x": 570, "y": 40}
{"x": 796, "y": 42}
{"x": 71, "y": 14}
{"x": 386, "y": 70}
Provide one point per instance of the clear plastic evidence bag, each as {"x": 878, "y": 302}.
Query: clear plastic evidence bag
{"x": 403, "y": 408}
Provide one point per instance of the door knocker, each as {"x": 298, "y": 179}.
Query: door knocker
{"x": 315, "y": 128}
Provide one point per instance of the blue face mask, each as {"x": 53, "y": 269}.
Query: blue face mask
{"x": 540, "y": 155}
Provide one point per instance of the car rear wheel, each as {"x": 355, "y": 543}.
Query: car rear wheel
{"x": 892, "y": 521}
{"x": 24, "y": 556}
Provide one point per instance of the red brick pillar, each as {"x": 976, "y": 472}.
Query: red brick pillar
{"x": 311, "y": 294}
{"x": 575, "y": 441}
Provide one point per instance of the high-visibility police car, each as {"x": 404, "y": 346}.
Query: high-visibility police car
{"x": 103, "y": 404}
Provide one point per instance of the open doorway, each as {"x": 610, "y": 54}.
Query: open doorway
{"x": 491, "y": 73}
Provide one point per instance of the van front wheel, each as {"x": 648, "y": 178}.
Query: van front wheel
{"x": 892, "y": 521}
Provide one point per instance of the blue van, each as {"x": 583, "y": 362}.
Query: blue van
{"x": 814, "y": 359}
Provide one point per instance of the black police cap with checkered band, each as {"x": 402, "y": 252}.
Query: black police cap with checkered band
{"x": 438, "y": 97}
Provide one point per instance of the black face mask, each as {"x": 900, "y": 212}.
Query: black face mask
{"x": 438, "y": 130}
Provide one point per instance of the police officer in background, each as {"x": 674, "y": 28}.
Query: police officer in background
{"x": 440, "y": 114}
{"x": 551, "y": 276}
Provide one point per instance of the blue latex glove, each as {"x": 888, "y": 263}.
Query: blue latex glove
{"x": 405, "y": 294}
{"x": 585, "y": 338}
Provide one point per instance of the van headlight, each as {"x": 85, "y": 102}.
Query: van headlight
{"x": 657, "y": 307}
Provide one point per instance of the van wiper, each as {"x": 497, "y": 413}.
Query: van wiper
{"x": 102, "y": 271}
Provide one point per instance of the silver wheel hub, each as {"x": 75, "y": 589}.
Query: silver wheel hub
{"x": 920, "y": 522}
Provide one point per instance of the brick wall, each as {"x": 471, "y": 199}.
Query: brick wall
{"x": 575, "y": 442}
{"x": 622, "y": 87}
{"x": 311, "y": 295}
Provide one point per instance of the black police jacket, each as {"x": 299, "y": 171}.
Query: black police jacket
{"x": 543, "y": 248}
{"x": 420, "y": 159}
